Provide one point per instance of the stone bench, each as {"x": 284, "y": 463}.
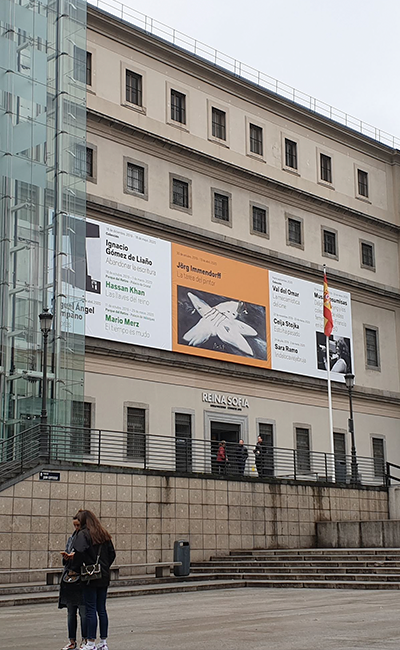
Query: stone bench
{"x": 54, "y": 575}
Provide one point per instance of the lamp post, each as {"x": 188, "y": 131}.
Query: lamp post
{"x": 45, "y": 319}
{"x": 350, "y": 380}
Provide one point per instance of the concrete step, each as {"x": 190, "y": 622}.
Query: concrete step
{"x": 321, "y": 584}
{"x": 120, "y": 591}
{"x": 144, "y": 580}
{"x": 299, "y": 563}
{"x": 367, "y": 557}
{"x": 316, "y": 551}
{"x": 299, "y": 570}
{"x": 304, "y": 575}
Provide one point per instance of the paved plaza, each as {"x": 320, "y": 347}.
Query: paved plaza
{"x": 235, "y": 619}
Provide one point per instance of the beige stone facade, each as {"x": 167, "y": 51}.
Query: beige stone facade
{"x": 147, "y": 513}
{"x": 119, "y": 131}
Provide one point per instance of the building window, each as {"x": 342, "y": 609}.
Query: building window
{"x": 371, "y": 347}
{"x": 378, "y": 453}
{"x": 290, "y": 154}
{"x": 218, "y": 124}
{"x": 259, "y": 223}
{"x": 183, "y": 442}
{"x": 329, "y": 243}
{"x": 135, "y": 178}
{"x": 81, "y": 425}
{"x": 221, "y": 207}
{"x": 84, "y": 162}
{"x": 294, "y": 232}
{"x": 367, "y": 255}
{"x": 303, "y": 458}
{"x": 180, "y": 193}
{"x": 326, "y": 168}
{"x": 136, "y": 433}
{"x": 266, "y": 431}
{"x": 256, "y": 139}
{"x": 82, "y": 70}
{"x": 362, "y": 182}
{"x": 133, "y": 88}
{"x": 178, "y": 107}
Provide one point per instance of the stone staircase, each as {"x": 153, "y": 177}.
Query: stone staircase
{"x": 374, "y": 568}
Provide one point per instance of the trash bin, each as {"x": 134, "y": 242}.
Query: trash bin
{"x": 182, "y": 554}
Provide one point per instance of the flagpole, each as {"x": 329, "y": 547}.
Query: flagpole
{"x": 328, "y": 326}
{"x": 328, "y": 372}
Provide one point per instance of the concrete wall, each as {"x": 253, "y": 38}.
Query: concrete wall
{"x": 145, "y": 514}
{"x": 358, "y": 534}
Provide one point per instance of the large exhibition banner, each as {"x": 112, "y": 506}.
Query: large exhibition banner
{"x": 220, "y": 308}
{"x": 297, "y": 328}
{"x": 128, "y": 286}
{"x": 147, "y": 291}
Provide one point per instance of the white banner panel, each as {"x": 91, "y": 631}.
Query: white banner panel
{"x": 128, "y": 286}
{"x": 298, "y": 342}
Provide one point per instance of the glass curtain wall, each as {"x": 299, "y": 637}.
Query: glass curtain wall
{"x": 42, "y": 208}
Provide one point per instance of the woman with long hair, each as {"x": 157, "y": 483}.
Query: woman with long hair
{"x": 92, "y": 541}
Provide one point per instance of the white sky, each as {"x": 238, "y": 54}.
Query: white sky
{"x": 343, "y": 52}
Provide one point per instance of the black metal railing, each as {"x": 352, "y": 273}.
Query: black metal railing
{"x": 95, "y": 447}
{"x": 390, "y": 476}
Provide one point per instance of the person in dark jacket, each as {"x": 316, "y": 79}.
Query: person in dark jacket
{"x": 91, "y": 541}
{"x": 241, "y": 457}
{"x": 259, "y": 453}
{"x": 71, "y": 595}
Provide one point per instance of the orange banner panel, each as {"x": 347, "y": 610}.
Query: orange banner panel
{"x": 220, "y": 308}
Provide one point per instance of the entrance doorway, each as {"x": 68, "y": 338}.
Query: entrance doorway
{"x": 231, "y": 433}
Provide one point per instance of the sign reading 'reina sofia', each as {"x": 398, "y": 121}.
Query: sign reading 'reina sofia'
{"x": 150, "y": 292}
{"x": 220, "y": 400}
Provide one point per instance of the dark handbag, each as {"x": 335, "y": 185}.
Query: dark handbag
{"x": 91, "y": 572}
{"x": 71, "y": 577}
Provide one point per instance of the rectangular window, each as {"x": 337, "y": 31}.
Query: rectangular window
{"x": 133, "y": 88}
{"x": 290, "y": 153}
{"x": 326, "y": 168}
{"x": 378, "y": 451}
{"x": 371, "y": 347}
{"x": 303, "y": 460}
{"x": 178, "y": 107}
{"x": 135, "y": 178}
{"x": 183, "y": 442}
{"x": 83, "y": 162}
{"x": 221, "y": 207}
{"x": 294, "y": 231}
{"x": 180, "y": 193}
{"x": 362, "y": 180}
{"x": 81, "y": 424}
{"x": 256, "y": 139}
{"x": 259, "y": 220}
{"x": 136, "y": 433}
{"x": 266, "y": 431}
{"x": 330, "y": 242}
{"x": 367, "y": 255}
{"x": 82, "y": 70}
{"x": 218, "y": 124}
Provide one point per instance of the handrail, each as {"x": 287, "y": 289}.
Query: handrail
{"x": 244, "y": 71}
{"x": 56, "y": 444}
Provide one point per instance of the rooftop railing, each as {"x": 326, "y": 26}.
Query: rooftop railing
{"x": 244, "y": 71}
{"x": 128, "y": 450}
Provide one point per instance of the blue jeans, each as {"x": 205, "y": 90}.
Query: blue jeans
{"x": 72, "y": 622}
{"x": 95, "y": 603}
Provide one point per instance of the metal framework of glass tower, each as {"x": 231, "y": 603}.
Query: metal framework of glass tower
{"x": 42, "y": 207}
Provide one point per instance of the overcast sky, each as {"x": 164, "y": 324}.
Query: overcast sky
{"x": 343, "y": 52}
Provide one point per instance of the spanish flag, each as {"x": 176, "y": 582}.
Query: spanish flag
{"x": 328, "y": 319}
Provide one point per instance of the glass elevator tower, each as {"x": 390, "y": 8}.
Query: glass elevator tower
{"x": 42, "y": 207}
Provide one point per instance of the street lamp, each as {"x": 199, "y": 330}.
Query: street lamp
{"x": 350, "y": 380}
{"x": 45, "y": 319}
